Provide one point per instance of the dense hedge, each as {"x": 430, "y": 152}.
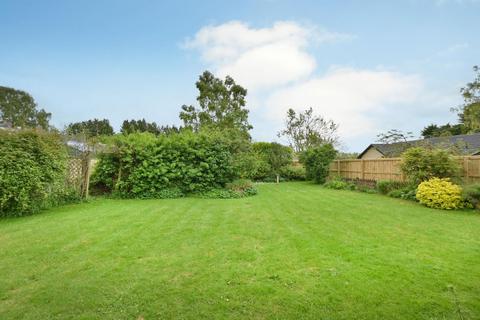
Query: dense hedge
{"x": 32, "y": 171}
{"x": 143, "y": 165}
{"x": 317, "y": 162}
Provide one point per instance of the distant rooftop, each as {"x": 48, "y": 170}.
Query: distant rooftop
{"x": 465, "y": 144}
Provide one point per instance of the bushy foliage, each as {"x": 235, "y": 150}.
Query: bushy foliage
{"x": 144, "y": 165}
{"x": 407, "y": 193}
{"x": 471, "y": 194}
{"x": 237, "y": 189}
{"x": 339, "y": 184}
{"x": 293, "y": 173}
{"x": 19, "y": 109}
{"x": 317, "y": 162}
{"x": 32, "y": 172}
{"x": 386, "y": 186}
{"x": 263, "y": 161}
{"x": 221, "y": 105}
{"x": 420, "y": 164}
{"x": 133, "y": 126}
{"x": 251, "y": 165}
{"x": 90, "y": 128}
{"x": 440, "y": 194}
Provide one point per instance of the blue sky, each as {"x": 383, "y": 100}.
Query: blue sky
{"x": 368, "y": 65}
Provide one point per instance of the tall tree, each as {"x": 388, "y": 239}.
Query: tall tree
{"x": 305, "y": 130}
{"x": 468, "y": 113}
{"x": 276, "y": 155}
{"x": 434, "y": 130}
{"x": 19, "y": 109}
{"x": 221, "y": 105}
{"x": 131, "y": 126}
{"x": 90, "y": 128}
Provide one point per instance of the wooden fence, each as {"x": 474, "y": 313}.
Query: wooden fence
{"x": 389, "y": 169}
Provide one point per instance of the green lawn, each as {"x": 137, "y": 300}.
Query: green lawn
{"x": 295, "y": 251}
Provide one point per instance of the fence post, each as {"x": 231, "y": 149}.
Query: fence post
{"x": 363, "y": 169}
{"x": 466, "y": 170}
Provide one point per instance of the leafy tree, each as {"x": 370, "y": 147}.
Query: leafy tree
{"x": 276, "y": 155}
{"x": 394, "y": 136}
{"x": 133, "y": 126}
{"x": 468, "y": 113}
{"x": 317, "y": 162}
{"x": 306, "y": 130}
{"x": 19, "y": 109}
{"x": 434, "y": 130}
{"x": 279, "y": 157}
{"x": 90, "y": 128}
{"x": 222, "y": 105}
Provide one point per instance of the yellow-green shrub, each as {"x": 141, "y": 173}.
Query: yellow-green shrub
{"x": 440, "y": 194}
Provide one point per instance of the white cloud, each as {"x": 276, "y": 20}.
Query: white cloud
{"x": 350, "y": 97}
{"x": 278, "y": 68}
{"x": 263, "y": 57}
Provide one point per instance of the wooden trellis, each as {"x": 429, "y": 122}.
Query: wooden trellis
{"x": 79, "y": 172}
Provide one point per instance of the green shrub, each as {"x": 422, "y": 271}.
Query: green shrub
{"x": 440, "y": 194}
{"x": 317, "y": 162}
{"x": 386, "y": 186}
{"x": 293, "y": 173}
{"x": 32, "y": 172}
{"x": 471, "y": 194}
{"x": 147, "y": 166}
{"x": 239, "y": 185}
{"x": 420, "y": 164}
{"x": 251, "y": 165}
{"x": 276, "y": 157}
{"x": 366, "y": 189}
{"x": 236, "y": 189}
{"x": 339, "y": 184}
{"x": 406, "y": 193}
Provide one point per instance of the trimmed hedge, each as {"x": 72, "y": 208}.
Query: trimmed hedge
{"x": 32, "y": 172}
{"x": 147, "y": 166}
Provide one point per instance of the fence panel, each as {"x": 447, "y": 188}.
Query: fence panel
{"x": 389, "y": 169}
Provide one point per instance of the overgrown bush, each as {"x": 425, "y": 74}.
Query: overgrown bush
{"x": 317, "y": 162}
{"x": 293, "y": 173}
{"x": 408, "y": 192}
{"x": 471, "y": 194}
{"x": 251, "y": 165}
{"x": 420, "y": 164}
{"x": 339, "y": 184}
{"x": 440, "y": 194}
{"x": 147, "y": 166}
{"x": 32, "y": 172}
{"x": 236, "y": 189}
{"x": 386, "y": 186}
{"x": 263, "y": 161}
